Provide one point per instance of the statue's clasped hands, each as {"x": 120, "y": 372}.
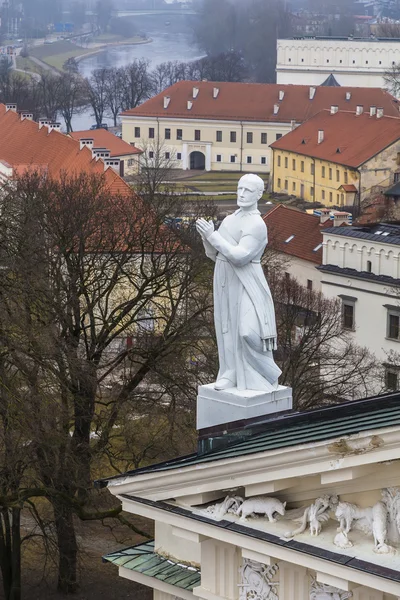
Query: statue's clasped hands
{"x": 205, "y": 228}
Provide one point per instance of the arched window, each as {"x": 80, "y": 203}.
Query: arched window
{"x": 369, "y": 266}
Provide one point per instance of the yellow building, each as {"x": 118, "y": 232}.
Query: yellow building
{"x": 338, "y": 157}
{"x": 224, "y": 126}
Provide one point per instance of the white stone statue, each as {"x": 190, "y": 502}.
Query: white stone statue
{"x": 370, "y": 520}
{"x": 229, "y": 505}
{"x": 261, "y": 505}
{"x": 315, "y": 515}
{"x": 244, "y": 312}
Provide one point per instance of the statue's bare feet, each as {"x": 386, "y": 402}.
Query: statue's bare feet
{"x": 223, "y": 384}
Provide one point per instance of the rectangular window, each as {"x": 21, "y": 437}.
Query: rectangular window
{"x": 293, "y": 186}
{"x": 337, "y": 175}
{"x": 302, "y": 166}
{"x": 151, "y": 132}
{"x": 167, "y": 155}
{"x": 312, "y": 192}
{"x": 197, "y": 135}
{"x": 330, "y": 197}
{"x": 293, "y": 164}
{"x": 279, "y": 183}
{"x": 233, "y": 137}
{"x": 233, "y": 158}
{"x": 137, "y": 132}
{"x": 151, "y": 154}
{"x": 219, "y": 136}
{"x": 309, "y": 284}
{"x": 393, "y": 326}
{"x": 323, "y": 195}
{"x": 312, "y": 168}
{"x": 249, "y": 160}
{"x": 263, "y": 160}
{"x": 130, "y": 162}
{"x": 219, "y": 157}
{"x": 179, "y": 134}
{"x": 346, "y": 177}
{"x": 279, "y": 160}
{"x": 322, "y": 171}
{"x": 286, "y": 184}
{"x": 348, "y": 316}
{"x": 249, "y": 137}
{"x": 167, "y": 134}
{"x": 278, "y": 136}
{"x": 179, "y": 155}
{"x": 391, "y": 379}
{"x": 263, "y": 138}
{"x": 337, "y": 199}
{"x": 330, "y": 174}
{"x": 286, "y": 162}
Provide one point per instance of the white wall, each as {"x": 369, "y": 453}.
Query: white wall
{"x": 303, "y": 270}
{"x": 359, "y": 63}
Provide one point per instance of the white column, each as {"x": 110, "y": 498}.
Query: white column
{"x": 208, "y": 157}
{"x": 185, "y": 157}
{"x": 293, "y": 582}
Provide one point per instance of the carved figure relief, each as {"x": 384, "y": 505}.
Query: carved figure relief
{"x": 256, "y": 581}
{"x": 219, "y": 510}
{"x": 371, "y": 520}
{"x": 321, "y": 591}
{"x": 391, "y": 499}
{"x": 261, "y": 505}
{"x": 315, "y": 515}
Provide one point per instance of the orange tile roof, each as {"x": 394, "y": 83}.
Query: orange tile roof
{"x": 255, "y": 101}
{"x": 284, "y": 222}
{"x": 22, "y": 143}
{"x": 105, "y": 139}
{"x": 349, "y": 139}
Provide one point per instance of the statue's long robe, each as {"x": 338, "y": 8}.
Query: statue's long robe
{"x": 244, "y": 312}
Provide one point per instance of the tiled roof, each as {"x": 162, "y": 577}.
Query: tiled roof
{"x": 354, "y": 274}
{"x": 349, "y": 139}
{"x": 385, "y": 233}
{"x": 293, "y": 429}
{"x": 143, "y": 559}
{"x": 349, "y": 187}
{"x": 105, "y": 139}
{"x": 295, "y": 233}
{"x": 23, "y": 144}
{"x": 255, "y": 101}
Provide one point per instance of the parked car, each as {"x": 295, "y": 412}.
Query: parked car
{"x": 102, "y": 126}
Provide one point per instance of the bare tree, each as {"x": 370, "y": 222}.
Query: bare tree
{"x": 136, "y": 84}
{"x": 72, "y": 97}
{"x": 96, "y": 90}
{"x": 50, "y": 93}
{"x": 392, "y": 79}
{"x": 114, "y": 92}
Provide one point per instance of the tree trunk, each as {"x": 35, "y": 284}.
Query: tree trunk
{"x": 10, "y": 553}
{"x": 67, "y": 548}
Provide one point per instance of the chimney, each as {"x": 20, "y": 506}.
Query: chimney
{"x": 26, "y": 115}
{"x": 43, "y": 122}
{"x": 54, "y": 126}
{"x": 323, "y": 214}
{"x": 114, "y": 163}
{"x": 320, "y": 136}
{"x": 379, "y": 113}
{"x": 348, "y": 95}
{"x": 372, "y": 111}
{"x": 312, "y": 93}
{"x": 11, "y": 106}
{"x": 292, "y": 124}
{"x": 215, "y": 92}
{"x": 86, "y": 142}
{"x": 281, "y": 94}
{"x": 100, "y": 153}
{"x": 167, "y": 100}
{"x": 189, "y": 105}
{"x": 195, "y": 92}
{"x": 334, "y": 109}
{"x": 276, "y": 109}
{"x": 359, "y": 109}
{"x": 340, "y": 218}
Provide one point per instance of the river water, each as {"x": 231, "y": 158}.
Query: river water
{"x": 170, "y": 42}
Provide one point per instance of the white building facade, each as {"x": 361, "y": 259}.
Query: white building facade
{"x": 353, "y": 62}
{"x": 361, "y": 265}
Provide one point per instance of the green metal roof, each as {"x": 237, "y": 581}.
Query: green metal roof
{"x": 293, "y": 429}
{"x": 143, "y": 559}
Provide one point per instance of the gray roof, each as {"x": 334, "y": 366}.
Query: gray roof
{"x": 143, "y": 559}
{"x": 394, "y": 190}
{"x": 388, "y": 233}
{"x": 293, "y": 429}
{"x": 330, "y": 81}
{"x": 354, "y": 274}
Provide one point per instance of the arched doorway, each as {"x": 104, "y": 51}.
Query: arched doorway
{"x": 197, "y": 161}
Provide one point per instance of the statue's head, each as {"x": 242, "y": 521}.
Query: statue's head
{"x": 250, "y": 190}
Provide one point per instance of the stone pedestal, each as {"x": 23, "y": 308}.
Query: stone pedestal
{"x": 226, "y": 406}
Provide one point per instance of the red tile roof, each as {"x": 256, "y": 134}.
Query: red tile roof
{"x": 105, "y": 139}
{"x": 284, "y": 222}
{"x": 255, "y": 101}
{"x": 348, "y": 139}
{"x": 349, "y": 187}
{"x": 23, "y": 144}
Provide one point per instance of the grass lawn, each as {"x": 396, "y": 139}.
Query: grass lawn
{"x": 26, "y": 64}
{"x": 57, "y": 53}
{"x": 222, "y": 176}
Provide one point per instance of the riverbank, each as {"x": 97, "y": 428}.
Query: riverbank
{"x": 55, "y": 55}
